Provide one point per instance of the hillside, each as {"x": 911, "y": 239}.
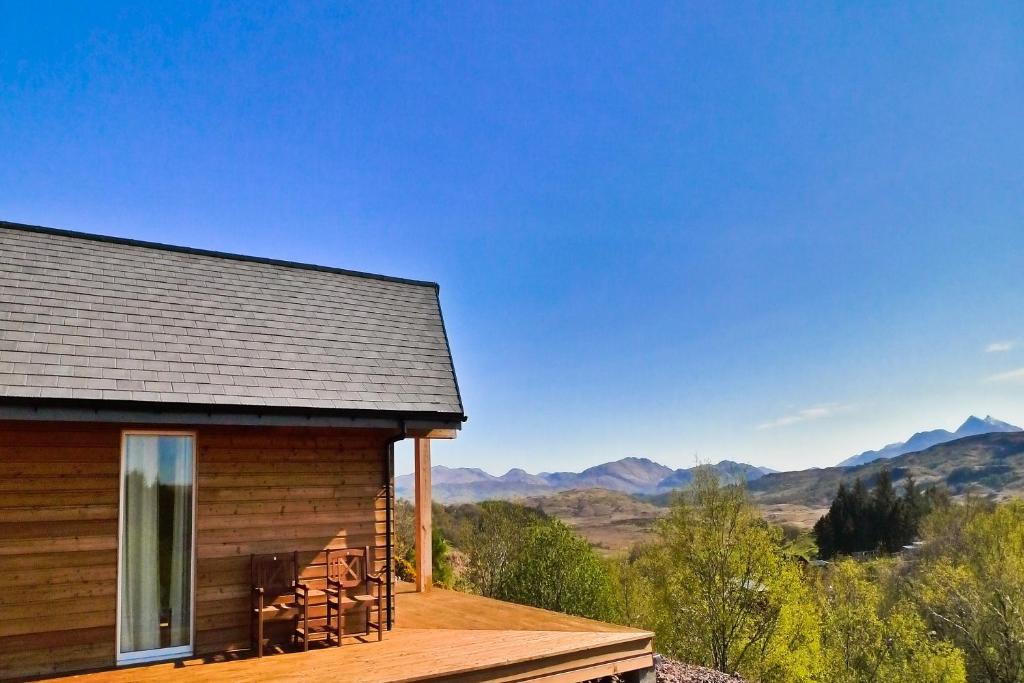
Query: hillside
{"x": 991, "y": 464}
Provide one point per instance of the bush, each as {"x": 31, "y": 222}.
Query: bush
{"x": 558, "y": 570}
{"x": 970, "y": 585}
{"x": 866, "y": 639}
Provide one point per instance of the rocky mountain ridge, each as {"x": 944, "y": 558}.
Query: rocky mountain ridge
{"x": 629, "y": 475}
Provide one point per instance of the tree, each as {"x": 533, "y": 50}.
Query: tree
{"x": 864, "y": 641}
{"x": 734, "y": 601}
{"x": 493, "y": 541}
{"x": 882, "y": 520}
{"x": 640, "y": 594}
{"x": 970, "y": 585}
{"x": 859, "y": 536}
{"x": 558, "y": 570}
{"x": 910, "y": 509}
{"x": 884, "y": 516}
{"x": 440, "y": 561}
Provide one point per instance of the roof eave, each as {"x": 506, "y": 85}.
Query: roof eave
{"x": 144, "y": 412}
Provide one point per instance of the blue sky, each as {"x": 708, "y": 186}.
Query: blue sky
{"x": 772, "y": 232}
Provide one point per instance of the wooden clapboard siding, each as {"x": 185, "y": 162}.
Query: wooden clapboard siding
{"x": 277, "y": 491}
{"x": 58, "y": 546}
{"x": 258, "y": 490}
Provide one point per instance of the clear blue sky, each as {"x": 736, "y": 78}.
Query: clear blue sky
{"x": 779, "y": 233}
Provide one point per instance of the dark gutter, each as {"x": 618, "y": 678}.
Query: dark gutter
{"x": 102, "y": 405}
{"x": 389, "y": 506}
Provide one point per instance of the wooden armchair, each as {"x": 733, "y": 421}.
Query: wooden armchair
{"x": 351, "y": 585}
{"x": 275, "y": 589}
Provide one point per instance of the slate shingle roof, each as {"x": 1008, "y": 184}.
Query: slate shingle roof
{"x": 83, "y": 317}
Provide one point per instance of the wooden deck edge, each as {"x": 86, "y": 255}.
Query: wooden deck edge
{"x": 599, "y": 670}
{"x": 567, "y": 665}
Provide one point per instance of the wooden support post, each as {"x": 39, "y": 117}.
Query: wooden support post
{"x": 424, "y": 528}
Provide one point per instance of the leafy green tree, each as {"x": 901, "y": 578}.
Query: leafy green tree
{"x": 440, "y": 560}
{"x": 639, "y": 594}
{"x": 970, "y": 585}
{"x": 405, "y": 527}
{"x": 494, "y": 540}
{"x": 864, "y": 640}
{"x": 558, "y": 570}
{"x": 734, "y": 601}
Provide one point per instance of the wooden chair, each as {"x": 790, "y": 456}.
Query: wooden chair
{"x": 350, "y": 586}
{"x": 274, "y": 580}
{"x": 275, "y": 589}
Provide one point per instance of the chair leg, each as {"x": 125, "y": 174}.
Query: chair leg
{"x": 380, "y": 621}
{"x": 334, "y": 627}
{"x": 305, "y": 625}
{"x": 259, "y": 635}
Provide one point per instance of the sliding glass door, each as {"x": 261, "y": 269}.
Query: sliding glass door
{"x": 156, "y": 546}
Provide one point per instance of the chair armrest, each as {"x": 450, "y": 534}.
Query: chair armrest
{"x": 257, "y": 590}
{"x": 376, "y": 578}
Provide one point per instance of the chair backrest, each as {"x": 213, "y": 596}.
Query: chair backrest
{"x": 275, "y": 573}
{"x": 348, "y": 566}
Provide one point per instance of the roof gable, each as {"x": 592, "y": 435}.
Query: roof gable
{"x": 93, "y": 318}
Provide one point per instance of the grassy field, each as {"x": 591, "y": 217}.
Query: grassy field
{"x": 614, "y": 521}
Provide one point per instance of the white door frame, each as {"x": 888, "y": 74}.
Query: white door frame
{"x": 165, "y": 652}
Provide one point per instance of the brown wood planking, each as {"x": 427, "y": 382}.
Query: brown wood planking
{"x": 288, "y": 493}
{"x": 45, "y": 467}
{"x": 58, "y": 539}
{"x": 47, "y": 559}
{"x": 60, "y": 513}
{"x": 440, "y": 636}
{"x": 258, "y": 489}
{"x": 278, "y": 491}
{"x": 361, "y": 515}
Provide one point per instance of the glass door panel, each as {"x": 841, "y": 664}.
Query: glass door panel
{"x": 155, "y": 592}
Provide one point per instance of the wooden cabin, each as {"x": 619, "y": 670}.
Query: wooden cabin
{"x": 166, "y": 413}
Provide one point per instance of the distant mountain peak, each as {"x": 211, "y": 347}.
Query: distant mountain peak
{"x": 972, "y": 426}
{"x": 633, "y": 459}
{"x": 976, "y": 425}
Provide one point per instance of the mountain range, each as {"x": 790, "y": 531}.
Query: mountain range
{"x": 973, "y": 426}
{"x": 989, "y": 464}
{"x": 986, "y": 454}
{"x": 628, "y": 475}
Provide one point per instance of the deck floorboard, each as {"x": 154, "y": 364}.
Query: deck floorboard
{"x": 439, "y": 635}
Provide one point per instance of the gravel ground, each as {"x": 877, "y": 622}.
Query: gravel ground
{"x": 671, "y": 671}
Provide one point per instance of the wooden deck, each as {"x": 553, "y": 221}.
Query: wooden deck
{"x": 440, "y": 635}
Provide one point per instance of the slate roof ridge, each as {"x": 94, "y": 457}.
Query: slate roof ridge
{"x": 110, "y": 239}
